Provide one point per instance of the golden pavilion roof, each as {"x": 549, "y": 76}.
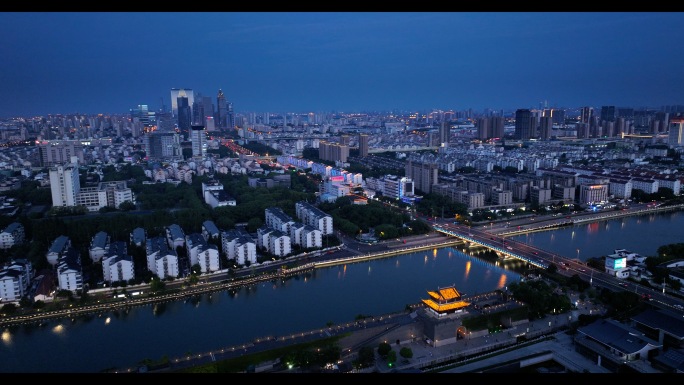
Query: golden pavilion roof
{"x": 445, "y": 300}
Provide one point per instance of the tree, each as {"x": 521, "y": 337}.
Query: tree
{"x": 156, "y": 285}
{"x": 383, "y": 349}
{"x": 406, "y": 352}
{"x": 366, "y": 358}
{"x": 391, "y": 358}
{"x": 127, "y": 206}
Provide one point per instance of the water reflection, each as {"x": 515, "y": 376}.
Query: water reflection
{"x": 502, "y": 281}
{"x": 7, "y": 337}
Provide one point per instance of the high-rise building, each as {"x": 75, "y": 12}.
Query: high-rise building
{"x": 483, "y": 131}
{"x": 64, "y": 185}
{"x": 676, "y": 135}
{"x": 608, "y": 113}
{"x": 231, "y": 116}
{"x": 525, "y": 124}
{"x": 165, "y": 122}
{"x": 664, "y": 121}
{"x": 198, "y": 138}
{"x": 363, "y": 145}
{"x": 444, "y": 133}
{"x": 163, "y": 145}
{"x": 496, "y": 127}
{"x": 53, "y": 152}
{"x": 207, "y": 110}
{"x": 333, "y": 152}
{"x": 586, "y": 114}
{"x": 184, "y": 115}
{"x": 423, "y": 174}
{"x": 221, "y": 111}
{"x": 175, "y": 93}
{"x": 546, "y": 127}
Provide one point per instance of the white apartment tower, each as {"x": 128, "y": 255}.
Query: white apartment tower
{"x": 64, "y": 185}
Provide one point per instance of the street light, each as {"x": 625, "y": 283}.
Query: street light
{"x": 578, "y": 255}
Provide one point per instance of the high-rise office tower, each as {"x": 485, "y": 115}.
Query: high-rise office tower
{"x": 64, "y": 185}
{"x": 558, "y": 116}
{"x": 221, "y": 111}
{"x": 546, "y": 127}
{"x": 231, "y": 116}
{"x": 142, "y": 113}
{"x": 165, "y": 122}
{"x": 676, "y": 135}
{"x": 525, "y": 124}
{"x": 184, "y": 115}
{"x": 608, "y": 113}
{"x": 175, "y": 93}
{"x": 363, "y": 145}
{"x": 198, "y": 139}
{"x": 208, "y": 110}
{"x": 444, "y": 133}
{"x": 197, "y": 109}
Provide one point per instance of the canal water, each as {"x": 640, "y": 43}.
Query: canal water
{"x": 331, "y": 295}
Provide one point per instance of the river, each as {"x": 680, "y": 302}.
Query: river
{"x": 330, "y": 295}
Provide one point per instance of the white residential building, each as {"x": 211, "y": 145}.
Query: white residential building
{"x": 99, "y": 246}
{"x": 201, "y": 253}
{"x": 210, "y": 231}
{"x": 620, "y": 188}
{"x": 648, "y": 186}
{"x": 70, "y": 271}
{"x": 239, "y": 246}
{"x": 138, "y": 236}
{"x": 262, "y": 237}
{"x": 64, "y": 185}
{"x": 12, "y": 235}
{"x": 57, "y": 249}
{"x": 315, "y": 217}
{"x": 310, "y": 237}
{"x": 279, "y": 243}
{"x": 175, "y": 236}
{"x": 162, "y": 261}
{"x": 15, "y": 280}
{"x": 117, "y": 265}
{"x": 277, "y": 219}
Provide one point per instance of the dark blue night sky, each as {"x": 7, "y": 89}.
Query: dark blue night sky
{"x": 84, "y": 62}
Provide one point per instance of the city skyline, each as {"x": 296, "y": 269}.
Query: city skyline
{"x": 100, "y": 62}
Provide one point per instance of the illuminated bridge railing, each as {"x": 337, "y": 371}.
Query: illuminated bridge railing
{"x": 491, "y": 246}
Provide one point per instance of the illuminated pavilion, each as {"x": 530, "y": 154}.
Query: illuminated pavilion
{"x": 445, "y": 301}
